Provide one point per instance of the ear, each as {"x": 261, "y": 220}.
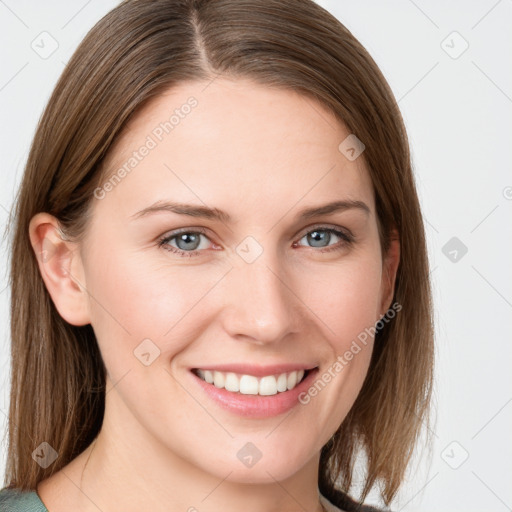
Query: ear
{"x": 61, "y": 268}
{"x": 390, "y": 264}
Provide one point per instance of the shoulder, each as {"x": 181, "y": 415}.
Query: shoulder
{"x": 345, "y": 503}
{"x": 15, "y": 500}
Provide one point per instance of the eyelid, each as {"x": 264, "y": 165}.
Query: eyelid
{"x": 320, "y": 226}
{"x": 178, "y": 231}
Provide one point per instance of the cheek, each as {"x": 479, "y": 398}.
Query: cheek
{"x": 135, "y": 298}
{"x": 346, "y": 300}
{"x": 345, "y": 297}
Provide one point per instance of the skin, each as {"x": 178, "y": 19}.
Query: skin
{"x": 262, "y": 155}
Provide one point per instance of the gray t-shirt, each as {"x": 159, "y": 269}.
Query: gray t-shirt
{"x": 14, "y": 500}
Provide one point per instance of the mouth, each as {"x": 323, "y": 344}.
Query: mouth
{"x": 255, "y": 392}
{"x": 248, "y": 384}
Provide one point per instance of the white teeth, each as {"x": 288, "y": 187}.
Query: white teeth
{"x": 232, "y": 382}
{"x": 248, "y": 385}
{"x": 268, "y": 386}
{"x": 281, "y": 383}
{"x": 218, "y": 379}
{"x": 292, "y": 380}
{"x": 251, "y": 385}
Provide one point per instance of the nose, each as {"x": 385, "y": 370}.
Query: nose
{"x": 260, "y": 305}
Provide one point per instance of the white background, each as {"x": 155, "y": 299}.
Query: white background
{"x": 458, "y": 112}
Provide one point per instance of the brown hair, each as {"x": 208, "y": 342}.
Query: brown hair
{"x": 138, "y": 50}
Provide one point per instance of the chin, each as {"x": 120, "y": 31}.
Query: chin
{"x": 280, "y": 466}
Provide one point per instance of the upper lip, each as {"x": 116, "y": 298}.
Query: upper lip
{"x": 257, "y": 370}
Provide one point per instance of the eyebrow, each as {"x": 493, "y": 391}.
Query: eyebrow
{"x": 220, "y": 215}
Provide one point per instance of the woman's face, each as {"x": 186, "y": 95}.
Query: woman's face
{"x": 252, "y": 285}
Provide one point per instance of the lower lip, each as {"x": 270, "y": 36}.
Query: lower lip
{"x": 256, "y": 406}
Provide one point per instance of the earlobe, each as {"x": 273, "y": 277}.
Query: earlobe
{"x": 390, "y": 267}
{"x": 61, "y": 268}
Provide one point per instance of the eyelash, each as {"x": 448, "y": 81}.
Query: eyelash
{"x": 347, "y": 239}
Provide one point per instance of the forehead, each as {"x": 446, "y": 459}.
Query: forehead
{"x": 236, "y": 145}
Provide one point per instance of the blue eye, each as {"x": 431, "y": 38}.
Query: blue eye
{"x": 323, "y": 234}
{"x": 188, "y": 242}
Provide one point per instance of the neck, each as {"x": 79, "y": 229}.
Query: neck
{"x": 125, "y": 468}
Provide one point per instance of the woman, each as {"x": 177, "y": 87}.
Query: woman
{"x": 220, "y": 294}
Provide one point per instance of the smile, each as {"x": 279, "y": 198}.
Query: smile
{"x": 245, "y": 384}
